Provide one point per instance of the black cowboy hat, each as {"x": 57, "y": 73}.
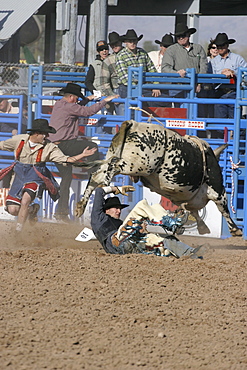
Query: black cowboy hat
{"x": 72, "y": 88}
{"x": 113, "y": 202}
{"x": 113, "y": 37}
{"x": 42, "y": 125}
{"x": 182, "y": 28}
{"x": 166, "y": 41}
{"x": 222, "y": 39}
{"x": 131, "y": 35}
{"x": 102, "y": 45}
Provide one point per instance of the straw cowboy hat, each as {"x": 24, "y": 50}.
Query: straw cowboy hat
{"x": 131, "y": 35}
{"x": 42, "y": 125}
{"x": 113, "y": 202}
{"x": 166, "y": 40}
{"x": 72, "y": 88}
{"x": 222, "y": 39}
{"x": 182, "y": 28}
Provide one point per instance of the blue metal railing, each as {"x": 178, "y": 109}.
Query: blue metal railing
{"x": 15, "y": 122}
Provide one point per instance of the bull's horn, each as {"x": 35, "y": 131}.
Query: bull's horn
{"x": 219, "y": 150}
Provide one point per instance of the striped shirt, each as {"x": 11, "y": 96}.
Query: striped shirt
{"x": 178, "y": 57}
{"x": 125, "y": 58}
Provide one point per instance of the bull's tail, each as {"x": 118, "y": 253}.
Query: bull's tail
{"x": 118, "y": 141}
{"x": 219, "y": 150}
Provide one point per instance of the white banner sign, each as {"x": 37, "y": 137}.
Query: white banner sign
{"x": 177, "y": 123}
{"x": 89, "y": 121}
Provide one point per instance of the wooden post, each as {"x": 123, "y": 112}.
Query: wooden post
{"x": 69, "y": 34}
{"x": 97, "y": 27}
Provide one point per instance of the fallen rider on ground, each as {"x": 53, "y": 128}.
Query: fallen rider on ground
{"x": 131, "y": 235}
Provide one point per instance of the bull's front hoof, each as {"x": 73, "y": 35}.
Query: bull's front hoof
{"x": 236, "y": 232}
{"x": 79, "y": 209}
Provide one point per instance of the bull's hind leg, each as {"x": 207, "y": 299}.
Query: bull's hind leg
{"x": 217, "y": 193}
{"x": 201, "y": 226}
{"x": 102, "y": 177}
{"x": 221, "y": 203}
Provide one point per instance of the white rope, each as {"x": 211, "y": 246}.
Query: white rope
{"x": 234, "y": 166}
{"x": 149, "y": 114}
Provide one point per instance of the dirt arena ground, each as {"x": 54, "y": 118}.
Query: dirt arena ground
{"x": 68, "y": 305}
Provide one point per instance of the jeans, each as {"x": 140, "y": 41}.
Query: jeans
{"x": 225, "y": 110}
{"x": 122, "y": 92}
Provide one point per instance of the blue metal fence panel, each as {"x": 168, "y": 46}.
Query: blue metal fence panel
{"x": 15, "y": 120}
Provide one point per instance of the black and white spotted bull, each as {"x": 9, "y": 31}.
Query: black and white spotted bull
{"x": 182, "y": 169}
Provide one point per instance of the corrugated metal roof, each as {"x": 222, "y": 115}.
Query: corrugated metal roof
{"x": 14, "y": 13}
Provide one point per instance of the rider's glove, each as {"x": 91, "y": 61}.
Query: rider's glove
{"x": 124, "y": 189}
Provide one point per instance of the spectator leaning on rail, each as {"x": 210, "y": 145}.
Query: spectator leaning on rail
{"x": 132, "y": 56}
{"x": 32, "y": 176}
{"x": 65, "y": 119}
{"x": 184, "y": 55}
{"x": 130, "y": 235}
{"x": 157, "y": 55}
{"x": 226, "y": 63}
{"x": 109, "y": 78}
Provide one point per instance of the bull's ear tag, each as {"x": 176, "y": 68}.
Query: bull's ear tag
{"x": 85, "y": 235}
